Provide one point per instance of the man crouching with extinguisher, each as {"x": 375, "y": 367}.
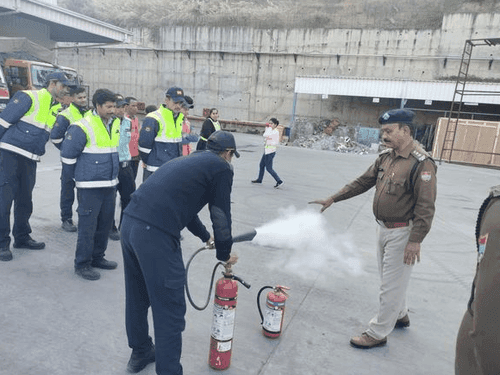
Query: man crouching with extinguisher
{"x": 165, "y": 204}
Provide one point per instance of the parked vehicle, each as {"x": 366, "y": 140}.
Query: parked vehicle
{"x": 31, "y": 75}
{"x": 25, "y": 66}
{"x": 4, "y": 91}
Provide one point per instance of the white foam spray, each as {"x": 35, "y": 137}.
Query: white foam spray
{"x": 308, "y": 244}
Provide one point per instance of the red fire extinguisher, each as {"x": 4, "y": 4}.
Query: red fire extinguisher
{"x": 221, "y": 339}
{"x": 274, "y": 313}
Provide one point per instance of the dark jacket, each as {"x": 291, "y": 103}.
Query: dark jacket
{"x": 171, "y": 198}
{"x": 17, "y": 134}
{"x": 154, "y": 150}
{"x": 478, "y": 341}
{"x": 65, "y": 118}
{"x": 93, "y": 166}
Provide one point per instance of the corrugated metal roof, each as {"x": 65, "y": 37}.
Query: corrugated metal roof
{"x": 65, "y": 25}
{"x": 400, "y": 89}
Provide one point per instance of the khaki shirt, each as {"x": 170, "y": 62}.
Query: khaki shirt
{"x": 478, "y": 341}
{"x": 396, "y": 200}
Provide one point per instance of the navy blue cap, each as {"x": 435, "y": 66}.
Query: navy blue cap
{"x": 176, "y": 94}
{"x": 221, "y": 140}
{"x": 60, "y": 77}
{"x": 121, "y": 103}
{"x": 403, "y": 116}
{"x": 189, "y": 102}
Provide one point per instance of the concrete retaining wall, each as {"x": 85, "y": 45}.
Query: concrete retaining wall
{"x": 249, "y": 74}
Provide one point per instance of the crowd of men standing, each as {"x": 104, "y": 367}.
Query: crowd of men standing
{"x": 100, "y": 150}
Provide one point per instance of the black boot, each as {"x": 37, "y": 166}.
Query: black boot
{"x": 138, "y": 361}
{"x": 5, "y": 254}
{"x": 29, "y": 243}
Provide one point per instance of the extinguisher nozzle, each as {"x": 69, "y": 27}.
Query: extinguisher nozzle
{"x": 249, "y": 236}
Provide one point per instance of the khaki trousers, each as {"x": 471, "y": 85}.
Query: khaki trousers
{"x": 394, "y": 276}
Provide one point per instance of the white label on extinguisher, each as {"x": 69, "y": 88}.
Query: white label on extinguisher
{"x": 224, "y": 346}
{"x": 223, "y": 323}
{"x": 272, "y": 320}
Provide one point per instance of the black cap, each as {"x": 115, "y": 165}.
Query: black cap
{"x": 189, "y": 102}
{"x": 60, "y": 77}
{"x": 121, "y": 103}
{"x": 221, "y": 140}
{"x": 403, "y": 116}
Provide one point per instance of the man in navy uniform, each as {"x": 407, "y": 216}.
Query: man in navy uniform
{"x": 25, "y": 126}
{"x": 90, "y": 152}
{"x": 161, "y": 207}
{"x": 160, "y": 139}
{"x": 71, "y": 114}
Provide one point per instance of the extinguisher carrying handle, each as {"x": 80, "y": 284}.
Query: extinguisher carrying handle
{"x": 258, "y": 301}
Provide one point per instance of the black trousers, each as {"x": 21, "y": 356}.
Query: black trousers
{"x": 126, "y": 185}
{"x": 154, "y": 277}
{"x": 96, "y": 209}
{"x": 17, "y": 180}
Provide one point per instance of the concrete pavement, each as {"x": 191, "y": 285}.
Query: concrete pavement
{"x": 53, "y": 322}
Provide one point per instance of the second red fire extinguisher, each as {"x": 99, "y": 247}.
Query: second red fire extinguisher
{"x": 274, "y": 310}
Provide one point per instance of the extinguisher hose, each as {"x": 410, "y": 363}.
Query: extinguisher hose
{"x": 211, "y": 281}
{"x": 258, "y": 302}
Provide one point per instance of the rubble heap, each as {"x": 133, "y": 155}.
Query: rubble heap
{"x": 328, "y": 135}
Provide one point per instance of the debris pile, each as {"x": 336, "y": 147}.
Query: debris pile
{"x": 328, "y": 135}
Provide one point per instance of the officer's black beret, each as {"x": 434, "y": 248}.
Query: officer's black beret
{"x": 403, "y": 116}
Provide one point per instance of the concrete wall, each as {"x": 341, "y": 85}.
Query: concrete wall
{"x": 249, "y": 73}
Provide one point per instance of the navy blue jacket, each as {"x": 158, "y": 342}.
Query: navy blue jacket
{"x": 61, "y": 126}
{"x": 171, "y": 198}
{"x": 158, "y": 152}
{"x": 90, "y": 170}
{"x": 20, "y": 134}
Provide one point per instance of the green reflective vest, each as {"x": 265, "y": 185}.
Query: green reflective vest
{"x": 40, "y": 113}
{"x": 169, "y": 131}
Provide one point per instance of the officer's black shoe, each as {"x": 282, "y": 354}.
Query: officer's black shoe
{"x": 138, "y": 361}
{"x": 114, "y": 234}
{"x": 5, "y": 254}
{"x": 30, "y": 244}
{"x": 403, "y": 322}
{"x": 68, "y": 226}
{"x": 256, "y": 182}
{"x": 104, "y": 264}
{"x": 88, "y": 273}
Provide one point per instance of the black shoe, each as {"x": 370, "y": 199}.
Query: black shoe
{"x": 404, "y": 322}
{"x": 104, "y": 264}
{"x": 5, "y": 254}
{"x": 138, "y": 361}
{"x": 30, "y": 244}
{"x": 68, "y": 226}
{"x": 114, "y": 234}
{"x": 256, "y": 182}
{"x": 88, "y": 273}
{"x": 278, "y": 184}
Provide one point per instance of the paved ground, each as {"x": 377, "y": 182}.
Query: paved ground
{"x": 53, "y": 322}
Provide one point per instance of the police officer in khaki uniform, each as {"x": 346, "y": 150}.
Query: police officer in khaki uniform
{"x": 478, "y": 341}
{"x": 404, "y": 177}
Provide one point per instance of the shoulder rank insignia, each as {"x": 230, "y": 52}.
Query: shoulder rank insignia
{"x": 418, "y": 155}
